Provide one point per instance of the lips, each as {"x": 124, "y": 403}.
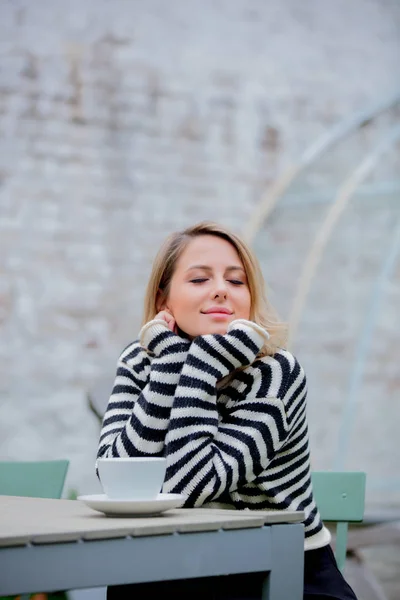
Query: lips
{"x": 218, "y": 309}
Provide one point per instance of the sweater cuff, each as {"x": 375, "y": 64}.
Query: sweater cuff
{"x": 157, "y": 337}
{"x": 258, "y": 335}
{"x": 151, "y": 330}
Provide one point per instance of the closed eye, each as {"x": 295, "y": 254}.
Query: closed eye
{"x": 203, "y": 279}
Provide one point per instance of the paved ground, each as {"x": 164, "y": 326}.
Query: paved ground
{"x": 384, "y": 563}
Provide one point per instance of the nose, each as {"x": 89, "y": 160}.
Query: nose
{"x": 220, "y": 291}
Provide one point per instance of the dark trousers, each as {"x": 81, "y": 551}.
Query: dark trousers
{"x": 322, "y": 581}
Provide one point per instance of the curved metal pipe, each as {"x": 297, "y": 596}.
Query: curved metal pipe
{"x": 362, "y": 350}
{"x": 345, "y": 193}
{"x": 317, "y": 148}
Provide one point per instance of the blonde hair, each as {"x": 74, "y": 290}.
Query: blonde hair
{"x": 261, "y": 311}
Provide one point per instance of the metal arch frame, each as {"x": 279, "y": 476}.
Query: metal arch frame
{"x": 346, "y": 191}
{"x": 316, "y": 149}
{"x": 362, "y": 349}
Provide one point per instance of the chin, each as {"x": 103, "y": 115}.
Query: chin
{"x": 220, "y": 328}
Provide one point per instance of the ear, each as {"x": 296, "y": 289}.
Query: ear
{"x": 161, "y": 301}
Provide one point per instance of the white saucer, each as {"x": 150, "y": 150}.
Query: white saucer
{"x": 125, "y": 508}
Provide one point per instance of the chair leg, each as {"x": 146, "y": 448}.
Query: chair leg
{"x": 341, "y": 544}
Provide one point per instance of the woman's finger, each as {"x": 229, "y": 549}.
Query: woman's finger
{"x": 163, "y": 314}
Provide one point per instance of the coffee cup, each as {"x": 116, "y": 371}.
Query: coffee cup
{"x": 138, "y": 478}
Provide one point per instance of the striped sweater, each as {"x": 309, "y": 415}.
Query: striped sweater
{"x": 243, "y": 444}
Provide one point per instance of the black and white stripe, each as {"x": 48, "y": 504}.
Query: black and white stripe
{"x": 244, "y": 445}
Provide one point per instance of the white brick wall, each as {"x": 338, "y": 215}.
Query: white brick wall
{"x": 121, "y": 121}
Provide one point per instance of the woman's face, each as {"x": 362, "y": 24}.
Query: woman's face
{"x": 209, "y": 288}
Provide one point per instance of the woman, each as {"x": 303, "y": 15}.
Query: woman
{"x": 209, "y": 386}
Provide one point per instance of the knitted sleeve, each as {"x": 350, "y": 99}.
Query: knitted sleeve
{"x": 208, "y": 458}
{"x": 138, "y": 412}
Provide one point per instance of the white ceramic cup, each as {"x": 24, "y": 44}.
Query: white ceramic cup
{"x": 138, "y": 478}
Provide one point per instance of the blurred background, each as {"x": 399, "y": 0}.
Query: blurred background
{"x": 121, "y": 121}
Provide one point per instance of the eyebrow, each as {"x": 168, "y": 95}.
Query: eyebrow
{"x": 208, "y": 268}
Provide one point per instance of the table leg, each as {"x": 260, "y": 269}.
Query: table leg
{"x": 286, "y": 579}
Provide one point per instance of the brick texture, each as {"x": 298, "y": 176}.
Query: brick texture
{"x": 122, "y": 121}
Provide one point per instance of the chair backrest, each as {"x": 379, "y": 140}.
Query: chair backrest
{"x": 40, "y": 479}
{"x": 340, "y": 497}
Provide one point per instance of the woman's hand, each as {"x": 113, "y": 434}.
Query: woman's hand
{"x": 237, "y": 348}
{"x": 166, "y": 316}
{"x": 161, "y": 334}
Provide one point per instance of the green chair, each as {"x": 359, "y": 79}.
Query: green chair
{"x": 340, "y": 497}
{"x": 40, "y": 479}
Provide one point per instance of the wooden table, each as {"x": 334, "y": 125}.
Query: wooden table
{"x": 49, "y": 545}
